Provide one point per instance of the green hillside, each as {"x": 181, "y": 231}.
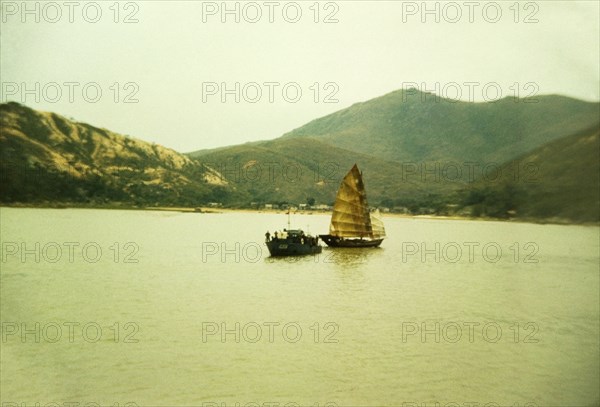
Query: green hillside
{"x": 46, "y": 158}
{"x": 294, "y": 170}
{"x": 418, "y": 154}
{"x": 561, "y": 182}
{"x": 416, "y": 151}
{"x": 407, "y": 125}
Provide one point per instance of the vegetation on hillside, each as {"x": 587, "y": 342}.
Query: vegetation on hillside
{"x": 419, "y": 155}
{"x": 46, "y": 158}
{"x": 561, "y": 183}
{"x": 412, "y": 126}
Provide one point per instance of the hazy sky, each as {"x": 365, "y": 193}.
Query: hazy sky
{"x": 178, "y": 62}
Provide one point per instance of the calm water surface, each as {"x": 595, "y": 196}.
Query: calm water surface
{"x": 181, "y": 309}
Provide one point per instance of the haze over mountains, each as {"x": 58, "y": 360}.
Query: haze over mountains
{"x": 529, "y": 158}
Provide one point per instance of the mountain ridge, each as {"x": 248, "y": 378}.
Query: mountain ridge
{"x": 550, "y": 192}
{"x": 406, "y": 125}
{"x": 79, "y": 163}
{"x": 48, "y": 157}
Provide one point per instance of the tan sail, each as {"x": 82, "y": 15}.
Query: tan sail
{"x": 351, "y": 211}
{"x": 377, "y": 225}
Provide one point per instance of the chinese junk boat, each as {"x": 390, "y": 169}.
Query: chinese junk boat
{"x": 352, "y": 224}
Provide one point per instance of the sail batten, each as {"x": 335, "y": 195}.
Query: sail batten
{"x": 351, "y": 217}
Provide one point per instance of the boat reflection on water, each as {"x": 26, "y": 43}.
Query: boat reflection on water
{"x": 343, "y": 256}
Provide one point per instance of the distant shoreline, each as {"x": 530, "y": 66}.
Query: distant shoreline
{"x": 213, "y": 210}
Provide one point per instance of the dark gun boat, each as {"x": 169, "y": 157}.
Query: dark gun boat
{"x": 352, "y": 222}
{"x": 294, "y": 243}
